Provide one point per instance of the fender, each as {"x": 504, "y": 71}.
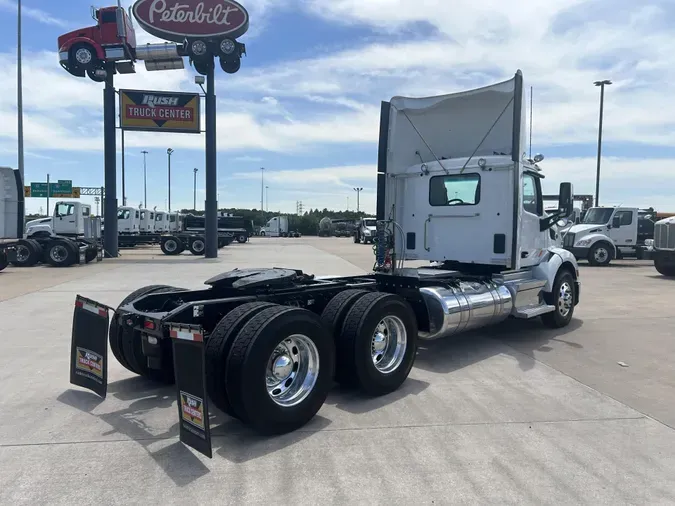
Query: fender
{"x": 549, "y": 267}
{"x": 595, "y": 238}
{"x": 71, "y": 42}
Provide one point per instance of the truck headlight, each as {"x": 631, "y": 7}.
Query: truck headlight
{"x": 583, "y": 242}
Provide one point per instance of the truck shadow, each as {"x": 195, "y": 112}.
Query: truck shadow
{"x": 355, "y": 402}
{"x": 614, "y": 265}
{"x": 517, "y": 338}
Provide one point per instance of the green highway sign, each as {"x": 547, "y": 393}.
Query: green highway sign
{"x": 59, "y": 189}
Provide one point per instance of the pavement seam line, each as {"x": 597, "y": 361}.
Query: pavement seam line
{"x": 345, "y": 429}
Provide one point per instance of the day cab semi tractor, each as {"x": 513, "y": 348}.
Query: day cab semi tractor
{"x": 62, "y": 240}
{"x": 264, "y": 345}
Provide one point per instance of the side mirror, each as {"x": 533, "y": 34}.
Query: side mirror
{"x": 616, "y": 222}
{"x": 566, "y": 199}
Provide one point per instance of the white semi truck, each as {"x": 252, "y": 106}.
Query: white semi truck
{"x": 365, "y": 230}
{"x": 71, "y": 236}
{"x": 265, "y": 345}
{"x": 608, "y": 233}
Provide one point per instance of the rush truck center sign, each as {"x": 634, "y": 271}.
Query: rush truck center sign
{"x": 163, "y": 111}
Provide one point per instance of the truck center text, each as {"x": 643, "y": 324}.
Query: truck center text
{"x": 160, "y": 113}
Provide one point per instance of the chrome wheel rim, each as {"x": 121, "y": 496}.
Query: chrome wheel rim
{"x": 198, "y": 47}
{"x": 83, "y": 56}
{"x": 171, "y": 245}
{"x": 565, "y": 299}
{"x": 388, "y": 344}
{"x": 22, "y": 253}
{"x": 58, "y": 253}
{"x": 292, "y": 370}
{"x": 198, "y": 246}
{"x": 600, "y": 255}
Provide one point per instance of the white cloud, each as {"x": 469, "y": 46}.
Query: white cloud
{"x": 32, "y": 13}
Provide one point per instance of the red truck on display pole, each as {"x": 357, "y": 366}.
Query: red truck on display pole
{"x": 85, "y": 52}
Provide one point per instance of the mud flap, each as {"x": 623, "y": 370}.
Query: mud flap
{"x": 190, "y": 373}
{"x": 89, "y": 345}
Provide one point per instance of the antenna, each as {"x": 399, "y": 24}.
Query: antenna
{"x": 531, "y": 93}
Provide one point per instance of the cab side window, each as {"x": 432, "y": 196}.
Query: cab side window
{"x": 531, "y": 198}
{"x": 625, "y": 217}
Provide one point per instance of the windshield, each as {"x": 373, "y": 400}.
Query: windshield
{"x": 123, "y": 214}
{"x": 159, "y": 217}
{"x": 369, "y": 223}
{"x": 598, "y": 216}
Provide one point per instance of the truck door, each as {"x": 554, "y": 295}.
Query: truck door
{"x": 108, "y": 26}
{"x": 533, "y": 241}
{"x": 64, "y": 219}
{"x": 626, "y": 233}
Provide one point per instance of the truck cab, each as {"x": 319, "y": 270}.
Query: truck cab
{"x": 277, "y": 227}
{"x": 364, "y": 231}
{"x": 606, "y": 233}
{"x": 664, "y": 246}
{"x": 161, "y": 222}
{"x": 68, "y": 220}
{"x": 128, "y": 220}
{"x": 147, "y": 223}
{"x": 174, "y": 222}
{"x": 112, "y": 39}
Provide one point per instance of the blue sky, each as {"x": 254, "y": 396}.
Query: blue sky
{"x": 305, "y": 104}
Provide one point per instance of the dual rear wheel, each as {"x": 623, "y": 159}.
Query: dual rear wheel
{"x": 272, "y": 366}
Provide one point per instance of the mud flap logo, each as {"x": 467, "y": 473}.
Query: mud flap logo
{"x": 90, "y": 363}
{"x": 192, "y": 410}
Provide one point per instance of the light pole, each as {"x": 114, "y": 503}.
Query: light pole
{"x": 97, "y": 200}
{"x": 267, "y": 198}
{"x": 194, "y": 204}
{"x": 145, "y": 179}
{"x": 602, "y": 85}
{"x": 262, "y": 190}
{"x": 169, "y": 152}
{"x": 19, "y": 93}
{"x": 358, "y": 199}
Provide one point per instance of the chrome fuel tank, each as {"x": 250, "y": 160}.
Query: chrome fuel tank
{"x": 466, "y": 306}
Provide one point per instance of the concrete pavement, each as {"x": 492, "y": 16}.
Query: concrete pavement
{"x": 515, "y": 414}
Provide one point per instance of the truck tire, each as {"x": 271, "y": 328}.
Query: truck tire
{"x": 61, "y": 253}
{"x": 4, "y": 261}
{"x": 335, "y": 312}
{"x": 171, "y": 246}
{"x": 377, "y": 345}
{"x": 356, "y": 238}
{"x": 562, "y": 297}
{"x": 27, "y": 254}
{"x": 218, "y": 347}
{"x": 38, "y": 248}
{"x": 90, "y": 254}
{"x": 241, "y": 239}
{"x": 600, "y": 254}
{"x": 280, "y": 369}
{"x": 197, "y": 246}
{"x": 663, "y": 267}
{"x": 125, "y": 344}
{"x": 83, "y": 56}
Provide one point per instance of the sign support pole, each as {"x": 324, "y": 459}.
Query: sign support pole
{"x": 49, "y": 213}
{"x": 211, "y": 204}
{"x": 110, "y": 242}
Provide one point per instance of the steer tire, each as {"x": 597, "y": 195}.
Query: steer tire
{"x": 248, "y": 363}
{"x": 27, "y": 253}
{"x": 563, "y": 288}
{"x": 4, "y": 261}
{"x": 664, "y": 267}
{"x": 335, "y": 312}
{"x": 126, "y": 345}
{"x": 197, "y": 246}
{"x": 218, "y": 347}
{"x": 605, "y": 259}
{"x": 171, "y": 246}
{"x": 241, "y": 239}
{"x": 355, "y": 356}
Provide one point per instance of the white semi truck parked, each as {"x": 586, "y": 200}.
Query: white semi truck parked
{"x": 264, "y": 345}
{"x": 608, "y": 233}
{"x": 365, "y": 230}
{"x": 664, "y": 246}
{"x": 71, "y": 236}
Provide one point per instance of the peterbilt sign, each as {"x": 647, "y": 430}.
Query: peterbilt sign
{"x": 177, "y": 20}
{"x": 164, "y": 111}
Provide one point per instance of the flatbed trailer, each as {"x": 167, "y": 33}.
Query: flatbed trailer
{"x": 266, "y": 345}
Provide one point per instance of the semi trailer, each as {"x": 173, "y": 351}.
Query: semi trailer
{"x": 265, "y": 345}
